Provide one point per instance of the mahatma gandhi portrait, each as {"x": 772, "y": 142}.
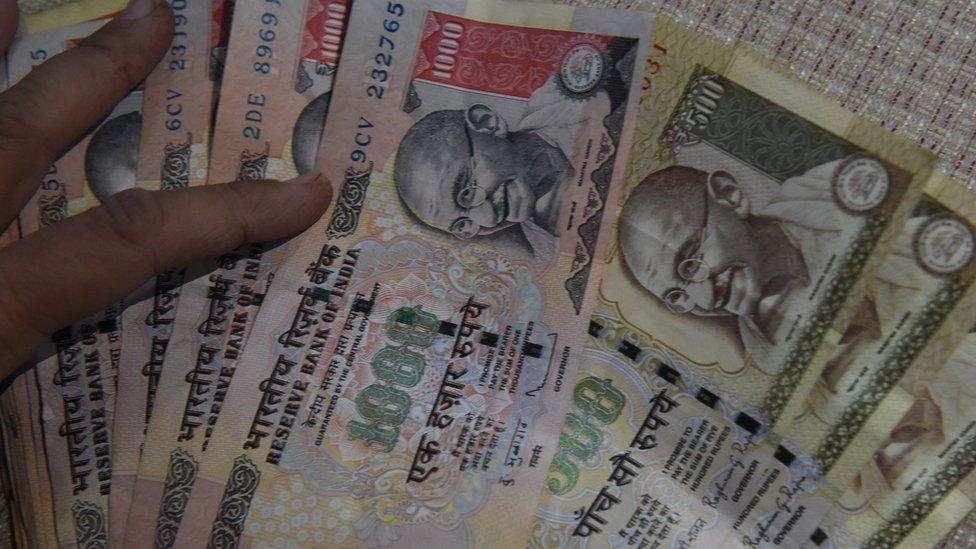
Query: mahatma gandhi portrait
{"x": 112, "y": 156}
{"x": 466, "y": 173}
{"x": 692, "y": 239}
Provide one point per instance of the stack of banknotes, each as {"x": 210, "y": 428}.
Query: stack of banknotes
{"x": 589, "y": 279}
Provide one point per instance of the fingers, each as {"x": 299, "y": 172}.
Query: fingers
{"x": 80, "y": 265}
{"x": 53, "y": 106}
{"x": 9, "y": 17}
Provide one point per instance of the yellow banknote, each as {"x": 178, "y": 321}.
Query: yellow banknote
{"x": 920, "y": 481}
{"x": 24, "y": 447}
{"x": 912, "y": 314}
{"x": 70, "y": 14}
{"x": 650, "y": 457}
{"x": 740, "y": 243}
{"x": 756, "y": 211}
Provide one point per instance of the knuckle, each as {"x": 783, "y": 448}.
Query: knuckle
{"x": 236, "y": 204}
{"x": 17, "y": 123}
{"x": 111, "y": 60}
{"x": 133, "y": 216}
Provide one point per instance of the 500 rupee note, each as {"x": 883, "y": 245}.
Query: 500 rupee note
{"x": 755, "y": 214}
{"x": 418, "y": 341}
{"x": 913, "y": 314}
{"x": 102, "y": 163}
{"x": 649, "y": 456}
{"x": 756, "y": 210}
{"x": 920, "y": 480}
{"x": 275, "y": 96}
{"x": 174, "y": 152}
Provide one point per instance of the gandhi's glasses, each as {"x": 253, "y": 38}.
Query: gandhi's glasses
{"x": 469, "y": 195}
{"x": 691, "y": 268}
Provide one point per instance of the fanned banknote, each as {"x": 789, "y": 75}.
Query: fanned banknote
{"x": 756, "y": 212}
{"x": 650, "y": 457}
{"x": 276, "y": 90}
{"x": 21, "y": 489}
{"x": 174, "y": 153}
{"x": 912, "y": 314}
{"x": 920, "y": 481}
{"x": 16, "y": 491}
{"x": 417, "y": 343}
{"x": 76, "y": 397}
{"x": 10, "y": 234}
{"x": 24, "y": 446}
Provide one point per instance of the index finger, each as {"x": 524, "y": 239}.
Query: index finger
{"x": 83, "y": 263}
{"x": 9, "y": 16}
{"x": 53, "y": 106}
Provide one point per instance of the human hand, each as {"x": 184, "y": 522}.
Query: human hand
{"x": 77, "y": 267}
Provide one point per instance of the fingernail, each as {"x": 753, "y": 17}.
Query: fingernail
{"x": 137, "y": 9}
{"x": 305, "y": 178}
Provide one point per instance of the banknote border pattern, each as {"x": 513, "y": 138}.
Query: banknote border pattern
{"x": 349, "y": 204}
{"x": 183, "y": 469}
{"x": 52, "y": 209}
{"x": 242, "y": 483}
{"x": 602, "y": 177}
{"x": 90, "y": 525}
{"x": 880, "y": 384}
{"x": 837, "y": 293}
{"x": 253, "y": 165}
{"x": 913, "y": 511}
{"x": 176, "y": 165}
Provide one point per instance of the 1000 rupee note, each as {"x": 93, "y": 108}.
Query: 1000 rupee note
{"x": 31, "y": 525}
{"x": 651, "y": 457}
{"x": 76, "y": 399}
{"x": 41, "y": 491}
{"x": 409, "y": 376}
{"x": 920, "y": 481}
{"x": 275, "y": 97}
{"x": 22, "y": 426}
{"x": 174, "y": 152}
{"x": 912, "y": 314}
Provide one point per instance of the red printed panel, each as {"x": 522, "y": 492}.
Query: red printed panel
{"x": 223, "y": 13}
{"x": 494, "y": 58}
{"x": 325, "y": 23}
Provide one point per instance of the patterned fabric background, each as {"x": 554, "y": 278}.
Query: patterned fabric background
{"x": 909, "y": 65}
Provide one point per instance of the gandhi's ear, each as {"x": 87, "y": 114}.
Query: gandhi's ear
{"x": 481, "y": 119}
{"x": 725, "y": 190}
